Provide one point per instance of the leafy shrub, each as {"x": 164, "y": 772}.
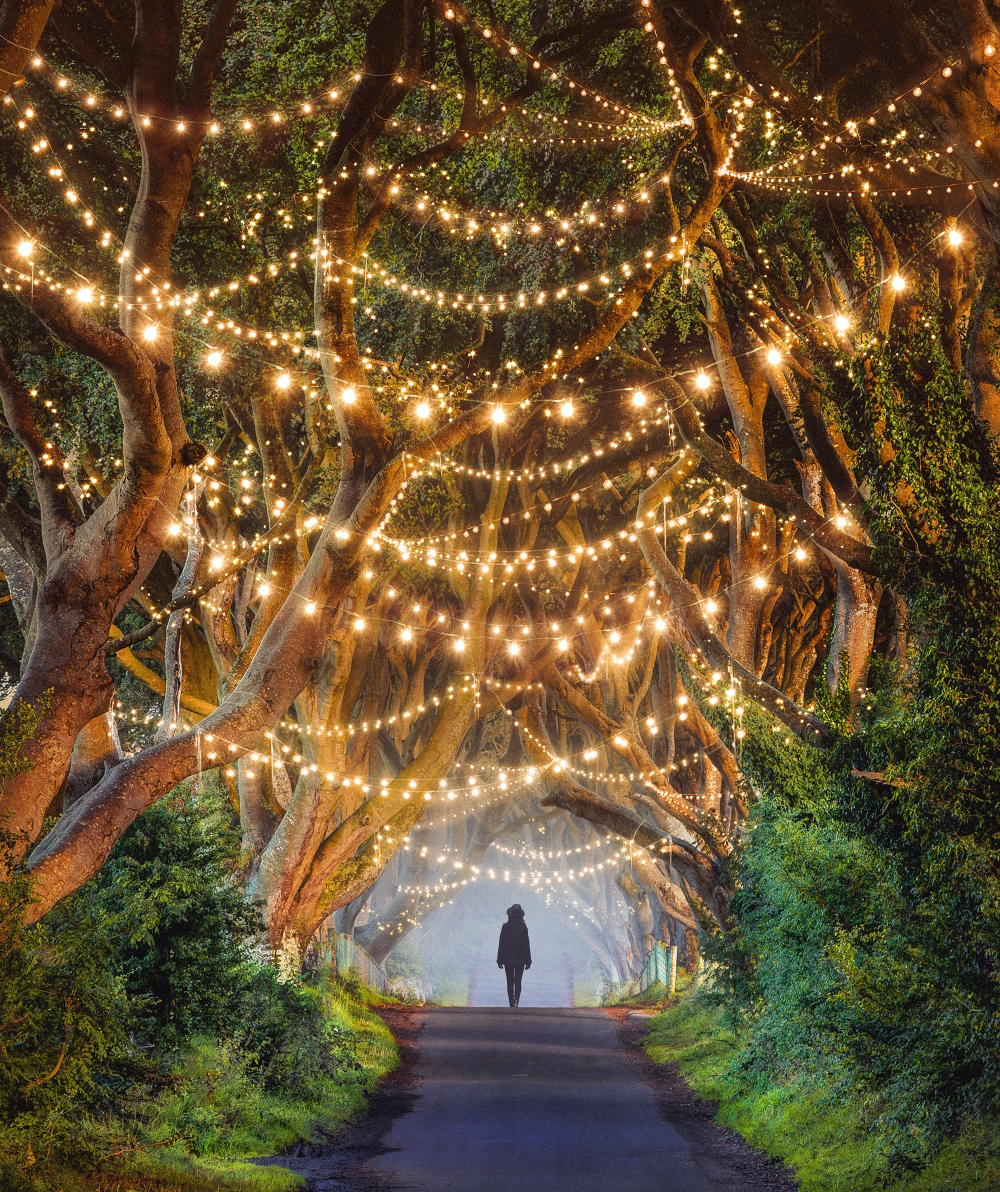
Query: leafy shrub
{"x": 288, "y": 1039}
{"x": 853, "y": 963}
{"x": 63, "y": 1021}
{"x": 174, "y": 905}
{"x": 134, "y": 1014}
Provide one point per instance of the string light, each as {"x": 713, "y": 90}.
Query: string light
{"x": 511, "y": 559}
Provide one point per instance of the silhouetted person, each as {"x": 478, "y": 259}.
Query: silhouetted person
{"x": 514, "y": 952}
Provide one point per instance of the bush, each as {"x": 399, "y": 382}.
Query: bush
{"x": 287, "y": 1037}
{"x": 851, "y": 964}
{"x": 135, "y": 1016}
{"x": 173, "y": 902}
{"x": 63, "y": 1022}
{"x": 63, "y": 1009}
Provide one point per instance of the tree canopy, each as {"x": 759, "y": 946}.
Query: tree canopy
{"x": 409, "y": 406}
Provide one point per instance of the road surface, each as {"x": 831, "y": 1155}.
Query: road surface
{"x": 533, "y": 1100}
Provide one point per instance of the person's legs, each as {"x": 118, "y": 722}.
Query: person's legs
{"x": 518, "y": 974}
{"x": 510, "y": 970}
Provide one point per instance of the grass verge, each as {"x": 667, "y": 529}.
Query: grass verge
{"x": 198, "y": 1136}
{"x": 816, "y": 1130}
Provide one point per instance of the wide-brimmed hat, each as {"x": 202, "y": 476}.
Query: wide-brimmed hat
{"x": 516, "y": 910}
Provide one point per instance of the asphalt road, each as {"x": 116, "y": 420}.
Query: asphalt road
{"x": 533, "y": 1100}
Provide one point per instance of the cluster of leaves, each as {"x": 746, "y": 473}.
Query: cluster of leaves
{"x": 865, "y": 918}
{"x": 102, "y": 1003}
{"x": 865, "y": 924}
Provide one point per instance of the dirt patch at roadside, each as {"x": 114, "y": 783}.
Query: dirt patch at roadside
{"x": 723, "y": 1155}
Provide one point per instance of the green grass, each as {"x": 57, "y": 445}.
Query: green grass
{"x": 655, "y": 997}
{"x": 816, "y": 1130}
{"x": 198, "y": 1136}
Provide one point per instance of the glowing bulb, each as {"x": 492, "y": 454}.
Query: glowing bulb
{"x": 85, "y": 295}
{"x": 759, "y": 581}
{"x": 349, "y": 396}
{"x": 24, "y": 248}
{"x": 311, "y": 606}
{"x": 514, "y": 648}
{"x": 498, "y": 415}
{"x": 841, "y": 522}
{"x": 567, "y": 409}
{"x": 563, "y": 644}
{"x": 702, "y": 380}
{"x": 264, "y": 589}
{"x": 359, "y": 623}
{"x": 841, "y": 322}
{"x": 406, "y": 635}
{"x": 149, "y": 333}
{"x": 638, "y": 398}
{"x": 460, "y": 645}
{"x": 711, "y": 606}
{"x": 954, "y": 237}
{"x": 773, "y": 356}
{"x": 897, "y": 283}
{"x": 283, "y": 381}
{"x": 800, "y": 554}
{"x": 423, "y": 410}
{"x": 215, "y": 359}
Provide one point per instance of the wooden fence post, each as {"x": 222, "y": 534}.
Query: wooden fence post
{"x": 673, "y": 969}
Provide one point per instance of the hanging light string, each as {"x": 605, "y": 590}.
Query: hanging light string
{"x": 325, "y": 101}
{"x": 420, "y": 206}
{"x": 788, "y": 176}
{"x": 419, "y": 293}
{"x": 482, "y": 303}
{"x": 469, "y": 221}
{"x": 754, "y": 177}
{"x": 551, "y": 70}
{"x": 370, "y": 270}
{"x": 58, "y": 173}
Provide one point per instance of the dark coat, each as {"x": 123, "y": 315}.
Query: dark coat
{"x": 515, "y": 947}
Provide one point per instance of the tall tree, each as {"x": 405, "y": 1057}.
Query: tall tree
{"x": 583, "y": 434}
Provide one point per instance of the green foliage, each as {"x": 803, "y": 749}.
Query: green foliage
{"x": 806, "y": 1122}
{"x": 62, "y": 1007}
{"x": 17, "y": 725}
{"x": 180, "y": 941}
{"x": 319, "y": 1051}
{"x": 404, "y": 963}
{"x": 63, "y": 1024}
{"x": 836, "y": 973}
{"x": 863, "y": 956}
{"x": 136, "y": 1028}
